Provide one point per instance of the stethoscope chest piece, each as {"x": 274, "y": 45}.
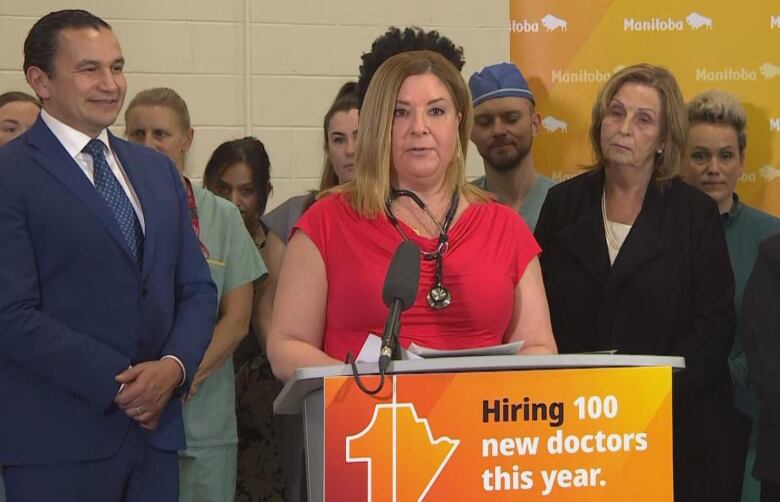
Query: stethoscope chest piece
{"x": 439, "y": 297}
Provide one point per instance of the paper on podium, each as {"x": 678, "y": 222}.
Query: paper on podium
{"x": 507, "y": 349}
{"x": 369, "y": 353}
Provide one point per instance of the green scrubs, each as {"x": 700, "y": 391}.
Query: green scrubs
{"x": 532, "y": 204}
{"x": 207, "y": 469}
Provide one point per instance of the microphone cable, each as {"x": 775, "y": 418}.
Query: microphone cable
{"x": 356, "y": 376}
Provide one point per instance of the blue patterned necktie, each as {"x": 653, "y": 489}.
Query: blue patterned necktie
{"x": 115, "y": 197}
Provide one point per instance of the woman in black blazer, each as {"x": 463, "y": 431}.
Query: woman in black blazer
{"x": 636, "y": 260}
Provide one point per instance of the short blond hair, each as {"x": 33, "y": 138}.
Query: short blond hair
{"x": 674, "y": 123}
{"x": 370, "y": 187}
{"x": 720, "y": 107}
{"x": 162, "y": 96}
{"x": 17, "y": 96}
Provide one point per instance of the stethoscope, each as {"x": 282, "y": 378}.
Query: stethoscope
{"x": 439, "y": 297}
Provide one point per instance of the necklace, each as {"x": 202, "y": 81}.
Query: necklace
{"x": 439, "y": 297}
{"x": 416, "y": 201}
{"x": 607, "y": 231}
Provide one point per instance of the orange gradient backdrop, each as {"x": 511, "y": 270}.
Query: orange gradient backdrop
{"x": 567, "y": 48}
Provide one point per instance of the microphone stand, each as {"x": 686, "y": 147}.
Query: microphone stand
{"x": 390, "y": 347}
{"x": 398, "y": 293}
{"x": 390, "y": 351}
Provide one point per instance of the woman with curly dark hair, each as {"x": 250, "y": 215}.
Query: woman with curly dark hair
{"x": 395, "y": 41}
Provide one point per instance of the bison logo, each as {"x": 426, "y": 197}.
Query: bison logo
{"x": 696, "y": 21}
{"x": 769, "y": 172}
{"x": 552, "y": 23}
{"x": 769, "y": 71}
{"x": 551, "y": 124}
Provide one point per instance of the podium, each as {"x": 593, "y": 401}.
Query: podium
{"x": 304, "y": 396}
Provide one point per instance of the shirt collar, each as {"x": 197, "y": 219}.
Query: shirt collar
{"x": 72, "y": 140}
{"x": 736, "y": 208}
{"x": 486, "y": 184}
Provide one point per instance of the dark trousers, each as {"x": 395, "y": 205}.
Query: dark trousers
{"x": 770, "y": 492}
{"x": 137, "y": 472}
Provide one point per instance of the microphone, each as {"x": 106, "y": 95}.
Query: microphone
{"x": 398, "y": 293}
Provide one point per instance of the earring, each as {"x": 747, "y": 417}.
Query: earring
{"x": 458, "y": 152}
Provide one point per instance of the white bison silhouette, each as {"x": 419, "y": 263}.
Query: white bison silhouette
{"x": 696, "y": 21}
{"x": 551, "y": 124}
{"x": 769, "y": 70}
{"x": 769, "y": 172}
{"x": 552, "y": 23}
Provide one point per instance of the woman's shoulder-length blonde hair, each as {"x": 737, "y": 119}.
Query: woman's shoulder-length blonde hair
{"x": 674, "y": 123}
{"x": 371, "y": 185}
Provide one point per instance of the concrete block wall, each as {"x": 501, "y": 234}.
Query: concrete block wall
{"x": 264, "y": 67}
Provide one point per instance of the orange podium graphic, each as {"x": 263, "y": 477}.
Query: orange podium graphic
{"x": 403, "y": 458}
{"x": 563, "y": 435}
{"x": 569, "y": 48}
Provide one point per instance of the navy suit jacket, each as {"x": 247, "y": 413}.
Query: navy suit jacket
{"x": 75, "y": 309}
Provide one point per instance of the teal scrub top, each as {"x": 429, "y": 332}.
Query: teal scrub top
{"x": 210, "y": 417}
{"x": 532, "y": 204}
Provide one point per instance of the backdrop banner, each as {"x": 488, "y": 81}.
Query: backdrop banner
{"x": 568, "y": 48}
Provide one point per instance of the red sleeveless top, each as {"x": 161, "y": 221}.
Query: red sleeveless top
{"x": 489, "y": 249}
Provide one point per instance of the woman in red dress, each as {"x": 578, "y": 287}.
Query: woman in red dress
{"x": 480, "y": 281}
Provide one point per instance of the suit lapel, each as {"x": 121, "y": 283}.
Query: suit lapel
{"x": 643, "y": 243}
{"x": 144, "y": 191}
{"x": 585, "y": 236}
{"x": 49, "y": 153}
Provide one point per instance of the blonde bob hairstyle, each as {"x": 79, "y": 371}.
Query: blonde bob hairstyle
{"x": 674, "y": 123}
{"x": 371, "y": 185}
{"x": 720, "y": 108}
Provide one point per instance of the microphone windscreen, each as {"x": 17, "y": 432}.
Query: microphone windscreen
{"x": 403, "y": 275}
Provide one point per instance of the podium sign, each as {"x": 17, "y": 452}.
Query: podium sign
{"x": 564, "y": 435}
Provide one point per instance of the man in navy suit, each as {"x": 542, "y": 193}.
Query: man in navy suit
{"x": 106, "y": 302}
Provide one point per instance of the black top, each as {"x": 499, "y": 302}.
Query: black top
{"x": 762, "y": 346}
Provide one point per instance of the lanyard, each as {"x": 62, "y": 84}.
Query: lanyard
{"x": 193, "y": 209}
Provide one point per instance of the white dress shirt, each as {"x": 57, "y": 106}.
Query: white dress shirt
{"x": 74, "y": 142}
